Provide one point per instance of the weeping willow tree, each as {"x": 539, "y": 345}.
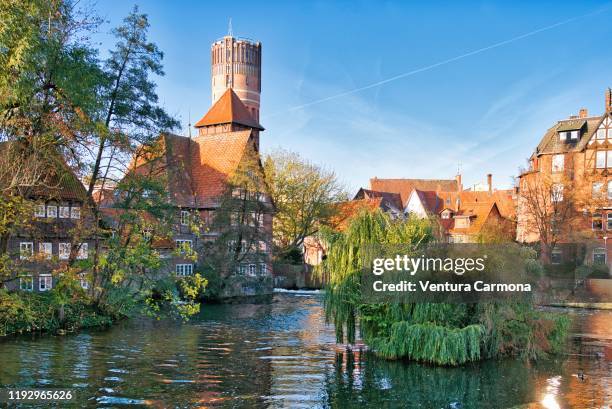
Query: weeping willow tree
{"x": 438, "y": 333}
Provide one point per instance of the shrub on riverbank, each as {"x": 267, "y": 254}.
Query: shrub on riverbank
{"x": 22, "y": 312}
{"x": 67, "y": 307}
{"x": 438, "y": 333}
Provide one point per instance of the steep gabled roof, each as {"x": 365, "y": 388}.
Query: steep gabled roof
{"x": 228, "y": 109}
{"x": 58, "y": 182}
{"x": 551, "y": 143}
{"x": 215, "y": 160}
{"x": 436, "y": 202}
{"x": 391, "y": 199}
{"x": 197, "y": 170}
{"x": 478, "y": 213}
{"x": 404, "y": 187}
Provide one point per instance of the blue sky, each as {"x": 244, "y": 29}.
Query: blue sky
{"x": 484, "y": 112}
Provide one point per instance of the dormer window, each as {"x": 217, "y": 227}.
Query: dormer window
{"x": 569, "y": 135}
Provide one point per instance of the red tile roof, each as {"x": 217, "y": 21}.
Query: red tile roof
{"x": 228, "y": 109}
{"x": 197, "y": 170}
{"x": 349, "y": 209}
{"x": 215, "y": 159}
{"x": 435, "y": 202}
{"x": 404, "y": 187}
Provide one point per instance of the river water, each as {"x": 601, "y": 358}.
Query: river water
{"x": 282, "y": 354}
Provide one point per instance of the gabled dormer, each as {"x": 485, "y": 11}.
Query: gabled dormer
{"x": 570, "y": 131}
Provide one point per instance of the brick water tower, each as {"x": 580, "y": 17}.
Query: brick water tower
{"x": 236, "y": 64}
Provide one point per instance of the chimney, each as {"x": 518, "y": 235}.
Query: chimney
{"x": 608, "y": 100}
{"x": 458, "y": 179}
{"x": 583, "y": 113}
{"x": 490, "y": 183}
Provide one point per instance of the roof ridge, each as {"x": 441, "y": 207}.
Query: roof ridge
{"x": 229, "y": 108}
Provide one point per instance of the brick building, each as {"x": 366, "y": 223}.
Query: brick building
{"x": 571, "y": 171}
{"x": 201, "y": 173}
{"x": 44, "y": 244}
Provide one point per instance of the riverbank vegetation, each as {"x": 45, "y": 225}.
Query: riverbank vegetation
{"x": 84, "y": 117}
{"x": 437, "y": 333}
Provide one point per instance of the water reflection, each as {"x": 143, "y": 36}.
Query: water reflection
{"x": 281, "y": 354}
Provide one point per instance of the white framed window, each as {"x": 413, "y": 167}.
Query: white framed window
{"x": 184, "y": 217}
{"x": 183, "y": 245}
{"x": 75, "y": 212}
{"x": 600, "y": 256}
{"x": 46, "y": 250}
{"x": 26, "y": 250}
{"x": 252, "y": 270}
{"x": 64, "y": 251}
{"x": 601, "y": 133}
{"x": 26, "y": 283}
{"x": 243, "y": 269}
{"x": 52, "y": 211}
{"x": 40, "y": 210}
{"x": 609, "y": 221}
{"x": 64, "y": 212}
{"x": 610, "y": 189}
{"x": 597, "y": 186}
{"x": 562, "y": 135}
{"x": 557, "y": 163}
{"x": 83, "y": 251}
{"x": 184, "y": 270}
{"x": 600, "y": 160}
{"x": 45, "y": 282}
{"x": 574, "y": 135}
{"x": 263, "y": 268}
{"x": 557, "y": 192}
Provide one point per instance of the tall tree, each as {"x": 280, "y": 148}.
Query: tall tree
{"x": 549, "y": 209}
{"x": 303, "y": 194}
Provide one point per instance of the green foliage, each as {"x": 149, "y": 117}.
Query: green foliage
{"x": 428, "y": 342}
{"x": 177, "y": 298}
{"x": 593, "y": 271}
{"x": 437, "y": 333}
{"x": 29, "y": 312}
{"x": 303, "y": 194}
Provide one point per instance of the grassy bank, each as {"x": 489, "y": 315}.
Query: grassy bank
{"x": 23, "y": 312}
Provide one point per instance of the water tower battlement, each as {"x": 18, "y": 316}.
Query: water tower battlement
{"x": 236, "y": 64}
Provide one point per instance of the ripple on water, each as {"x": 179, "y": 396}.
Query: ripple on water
{"x": 115, "y": 400}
